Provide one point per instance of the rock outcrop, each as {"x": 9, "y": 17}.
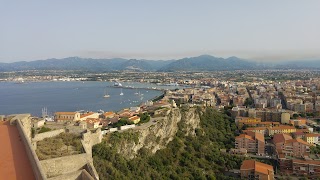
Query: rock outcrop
{"x": 158, "y": 135}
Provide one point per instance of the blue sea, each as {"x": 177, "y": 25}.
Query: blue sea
{"x": 31, "y": 97}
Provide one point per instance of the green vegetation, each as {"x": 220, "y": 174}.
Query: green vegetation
{"x": 62, "y": 145}
{"x": 248, "y": 102}
{"x": 122, "y": 122}
{"x": 185, "y": 157}
{"x": 118, "y": 138}
{"x": 33, "y": 132}
{"x": 144, "y": 118}
{"x": 315, "y": 149}
{"x": 44, "y": 129}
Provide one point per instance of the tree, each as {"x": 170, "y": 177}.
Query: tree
{"x": 248, "y": 102}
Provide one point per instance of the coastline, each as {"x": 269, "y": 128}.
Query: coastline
{"x": 71, "y": 96}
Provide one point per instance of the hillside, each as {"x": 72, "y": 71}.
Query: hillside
{"x": 190, "y": 154}
{"x": 208, "y": 63}
{"x": 199, "y": 63}
{"x": 204, "y": 62}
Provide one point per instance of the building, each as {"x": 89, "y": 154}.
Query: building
{"x": 239, "y": 120}
{"x": 281, "y": 130}
{"x": 262, "y": 130}
{"x": 134, "y": 119}
{"x": 66, "y": 116}
{"x": 309, "y": 167}
{"x": 85, "y": 116}
{"x": 108, "y": 114}
{"x": 279, "y": 140}
{"x": 312, "y": 138}
{"x": 253, "y": 170}
{"x": 295, "y": 148}
{"x": 135, "y": 109}
{"x": 93, "y": 123}
{"x": 253, "y": 142}
{"x": 285, "y": 117}
{"x": 257, "y": 124}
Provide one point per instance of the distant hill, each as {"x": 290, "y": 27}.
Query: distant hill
{"x": 199, "y": 63}
{"x": 87, "y": 64}
{"x": 309, "y": 64}
{"x": 208, "y": 63}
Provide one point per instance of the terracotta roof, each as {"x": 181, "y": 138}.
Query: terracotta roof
{"x": 134, "y": 118}
{"x": 108, "y": 113}
{"x": 303, "y": 142}
{"x": 312, "y": 135}
{"x": 256, "y": 166}
{"x": 306, "y": 162}
{"x": 92, "y": 120}
{"x": 259, "y": 136}
{"x": 244, "y": 136}
{"x": 281, "y": 138}
{"x": 303, "y": 130}
{"x": 299, "y": 141}
{"x": 87, "y": 114}
{"x": 257, "y": 128}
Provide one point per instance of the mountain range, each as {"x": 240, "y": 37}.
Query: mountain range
{"x": 199, "y": 63}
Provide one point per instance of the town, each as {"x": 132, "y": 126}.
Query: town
{"x": 277, "y": 117}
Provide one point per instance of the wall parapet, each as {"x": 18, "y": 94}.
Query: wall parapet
{"x": 33, "y": 158}
{"x": 41, "y": 136}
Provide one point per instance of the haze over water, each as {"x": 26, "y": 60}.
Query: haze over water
{"x": 69, "y": 96}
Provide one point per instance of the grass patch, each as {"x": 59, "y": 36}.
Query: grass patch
{"x": 64, "y": 144}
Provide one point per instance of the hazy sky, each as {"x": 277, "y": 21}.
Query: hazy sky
{"x": 166, "y": 29}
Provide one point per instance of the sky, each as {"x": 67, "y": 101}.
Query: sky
{"x": 270, "y": 30}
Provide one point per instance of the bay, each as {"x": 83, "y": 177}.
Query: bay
{"x": 71, "y": 96}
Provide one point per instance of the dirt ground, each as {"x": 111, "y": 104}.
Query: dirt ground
{"x": 14, "y": 162}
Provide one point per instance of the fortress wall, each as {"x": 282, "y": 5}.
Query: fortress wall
{"x": 41, "y": 136}
{"x": 85, "y": 176}
{"x": 26, "y": 137}
{"x": 77, "y": 175}
{"x": 69, "y": 176}
{"x": 89, "y": 139}
{"x": 64, "y": 165}
{"x": 91, "y": 170}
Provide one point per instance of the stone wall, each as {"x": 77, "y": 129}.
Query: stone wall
{"x": 33, "y": 158}
{"x": 90, "y": 139}
{"x": 70, "y": 176}
{"x": 41, "y": 136}
{"x": 77, "y": 175}
{"x": 64, "y": 165}
{"x": 25, "y": 122}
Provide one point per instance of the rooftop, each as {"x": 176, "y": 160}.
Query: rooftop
{"x": 256, "y": 166}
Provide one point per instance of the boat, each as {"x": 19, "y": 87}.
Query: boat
{"x": 121, "y": 94}
{"x": 106, "y": 95}
{"x": 117, "y": 84}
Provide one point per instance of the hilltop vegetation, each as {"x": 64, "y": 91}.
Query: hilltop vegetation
{"x": 62, "y": 145}
{"x": 185, "y": 157}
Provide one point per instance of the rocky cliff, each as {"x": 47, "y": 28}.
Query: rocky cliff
{"x": 158, "y": 135}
